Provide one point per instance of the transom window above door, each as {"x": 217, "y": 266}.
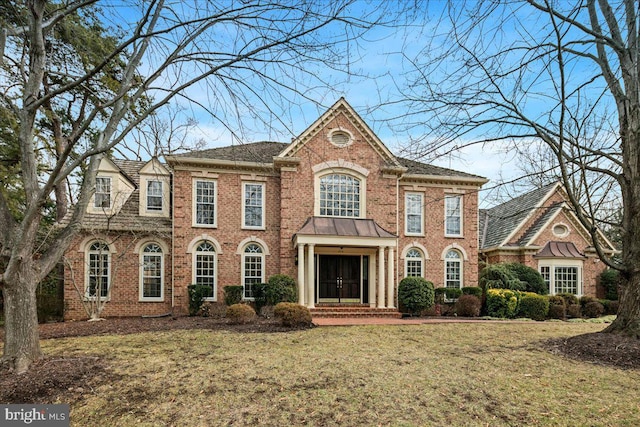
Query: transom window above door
{"x": 340, "y": 195}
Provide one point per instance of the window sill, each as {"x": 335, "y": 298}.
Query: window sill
{"x": 151, "y": 299}
{"x": 194, "y": 225}
{"x": 244, "y": 227}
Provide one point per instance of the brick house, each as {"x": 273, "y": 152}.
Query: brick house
{"x": 334, "y": 209}
{"x": 539, "y": 229}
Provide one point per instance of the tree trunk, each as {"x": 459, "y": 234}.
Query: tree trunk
{"x": 628, "y": 320}
{"x": 21, "y": 341}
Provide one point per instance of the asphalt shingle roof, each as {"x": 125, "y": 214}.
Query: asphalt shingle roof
{"x": 500, "y": 221}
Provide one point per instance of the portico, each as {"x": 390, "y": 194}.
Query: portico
{"x": 343, "y": 260}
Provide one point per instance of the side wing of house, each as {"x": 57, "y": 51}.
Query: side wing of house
{"x": 546, "y": 236}
{"x": 122, "y": 255}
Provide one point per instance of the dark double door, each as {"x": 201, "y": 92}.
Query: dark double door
{"x": 339, "y": 278}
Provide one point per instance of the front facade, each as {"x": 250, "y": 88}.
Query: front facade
{"x": 539, "y": 229}
{"x": 334, "y": 209}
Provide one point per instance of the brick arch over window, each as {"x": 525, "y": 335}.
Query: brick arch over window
{"x": 455, "y": 247}
{"x": 193, "y": 244}
{"x": 252, "y": 239}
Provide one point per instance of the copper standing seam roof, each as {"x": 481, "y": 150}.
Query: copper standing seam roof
{"x": 559, "y": 250}
{"x": 343, "y": 227}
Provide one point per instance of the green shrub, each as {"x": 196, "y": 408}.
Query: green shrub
{"x": 530, "y": 278}
{"x": 197, "y": 294}
{"x": 468, "y": 306}
{"x": 240, "y": 314}
{"x": 233, "y": 294}
{"x": 574, "y": 311}
{"x": 556, "y": 300}
{"x": 279, "y": 288}
{"x": 415, "y": 294}
{"x": 569, "y": 298}
{"x": 610, "y": 280}
{"x": 292, "y": 314}
{"x": 499, "y": 276}
{"x": 533, "y": 306}
{"x": 557, "y": 311}
{"x": 502, "y": 302}
{"x": 593, "y": 309}
{"x": 610, "y": 307}
{"x": 583, "y": 300}
{"x": 440, "y": 295}
{"x": 472, "y": 290}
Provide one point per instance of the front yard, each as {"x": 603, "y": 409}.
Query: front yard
{"x": 414, "y": 375}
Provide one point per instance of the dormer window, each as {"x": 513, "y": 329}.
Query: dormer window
{"x": 102, "y": 197}
{"x": 154, "y": 195}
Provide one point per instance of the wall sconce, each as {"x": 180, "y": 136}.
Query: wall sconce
{"x": 295, "y": 259}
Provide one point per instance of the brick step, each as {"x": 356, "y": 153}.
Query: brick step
{"x": 354, "y": 311}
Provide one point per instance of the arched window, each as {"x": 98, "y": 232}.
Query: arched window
{"x": 205, "y": 267}
{"x": 340, "y": 196}
{"x": 99, "y": 270}
{"x": 152, "y": 273}
{"x": 414, "y": 263}
{"x": 453, "y": 269}
{"x": 252, "y": 268}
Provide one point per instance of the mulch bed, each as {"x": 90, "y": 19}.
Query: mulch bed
{"x": 67, "y": 379}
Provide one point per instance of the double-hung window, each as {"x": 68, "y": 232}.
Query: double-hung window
{"x": 154, "y": 195}
{"x": 205, "y": 268}
{"x": 152, "y": 275}
{"x": 414, "y": 263}
{"x": 205, "y": 203}
{"x": 102, "y": 197}
{"x": 99, "y": 270}
{"x": 453, "y": 216}
{"x": 453, "y": 269}
{"x": 253, "y": 206}
{"x": 413, "y": 203}
{"x": 253, "y": 269}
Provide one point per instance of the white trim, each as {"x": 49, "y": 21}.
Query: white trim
{"x": 194, "y": 191}
{"x": 194, "y": 257}
{"x": 406, "y": 213}
{"x": 460, "y": 266}
{"x": 192, "y": 244}
{"x": 422, "y": 259}
{"x": 461, "y": 215}
{"x": 353, "y": 173}
{"x": 340, "y": 130}
{"x": 243, "y": 224}
{"x": 243, "y": 256}
{"x": 561, "y": 224}
{"x": 252, "y": 239}
{"x": 458, "y": 248}
{"x": 562, "y": 262}
{"x": 342, "y": 165}
{"x": 141, "y": 254}
{"x": 326, "y": 240}
{"x": 87, "y": 269}
{"x": 412, "y": 245}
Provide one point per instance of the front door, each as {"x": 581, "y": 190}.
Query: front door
{"x": 339, "y": 278}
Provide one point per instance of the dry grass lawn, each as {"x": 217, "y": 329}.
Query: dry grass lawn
{"x": 414, "y": 375}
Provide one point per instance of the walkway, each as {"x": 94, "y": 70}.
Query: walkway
{"x": 349, "y": 321}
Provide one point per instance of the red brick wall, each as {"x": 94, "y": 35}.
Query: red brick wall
{"x": 125, "y": 277}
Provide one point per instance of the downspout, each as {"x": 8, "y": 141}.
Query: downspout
{"x": 397, "y": 272}
{"x": 173, "y": 248}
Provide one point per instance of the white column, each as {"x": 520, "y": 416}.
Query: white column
{"x": 380, "y": 297}
{"x": 300, "y": 274}
{"x": 372, "y": 281}
{"x": 390, "y": 279}
{"x": 311, "y": 296}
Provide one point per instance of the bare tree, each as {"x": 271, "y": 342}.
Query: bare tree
{"x": 564, "y": 74}
{"x": 247, "y": 58}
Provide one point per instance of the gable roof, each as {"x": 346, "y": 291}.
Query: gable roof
{"x": 341, "y": 107}
{"x": 258, "y": 152}
{"x": 501, "y": 222}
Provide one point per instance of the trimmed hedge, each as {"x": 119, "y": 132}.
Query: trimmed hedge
{"x": 197, "y": 294}
{"x": 279, "y": 288}
{"x": 499, "y": 276}
{"x": 557, "y": 311}
{"x": 502, "y": 302}
{"x": 574, "y": 311}
{"x": 415, "y": 294}
{"x": 292, "y": 314}
{"x": 530, "y": 278}
{"x": 593, "y": 309}
{"x": 609, "y": 280}
{"x": 569, "y": 298}
{"x": 533, "y": 306}
{"x": 472, "y": 290}
{"x": 240, "y": 314}
{"x": 233, "y": 294}
{"x": 468, "y": 306}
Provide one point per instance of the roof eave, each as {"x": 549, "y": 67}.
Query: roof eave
{"x": 175, "y": 160}
{"x": 446, "y": 178}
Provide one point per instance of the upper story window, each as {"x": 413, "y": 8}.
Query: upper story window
{"x": 154, "y": 195}
{"x": 205, "y": 203}
{"x": 453, "y": 216}
{"x": 340, "y": 196}
{"x": 413, "y": 205}
{"x": 253, "y": 205}
{"x": 102, "y": 197}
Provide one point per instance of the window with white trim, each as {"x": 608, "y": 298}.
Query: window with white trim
{"x": 253, "y": 205}
{"x": 154, "y": 195}
{"x": 205, "y": 203}
{"x": 102, "y": 197}
{"x": 453, "y": 216}
{"x": 413, "y": 204}
{"x": 205, "y": 265}
{"x": 340, "y": 196}
{"x": 414, "y": 263}
{"x": 152, "y": 273}
{"x": 98, "y": 271}
{"x": 453, "y": 269}
{"x": 252, "y": 268}
{"x": 562, "y": 275}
